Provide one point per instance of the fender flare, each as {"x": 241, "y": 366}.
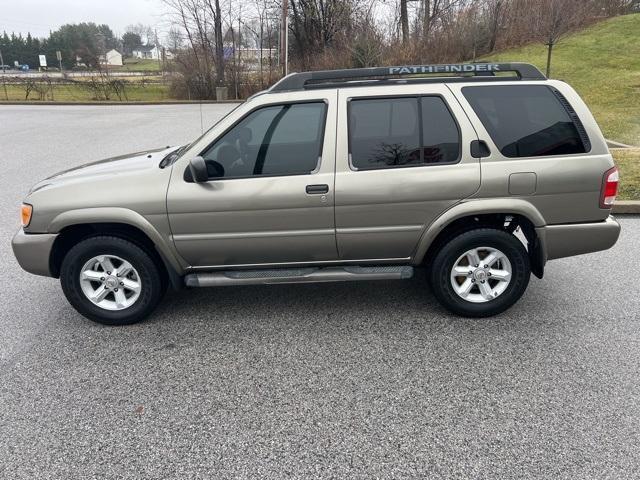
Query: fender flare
{"x": 123, "y": 216}
{"x": 466, "y": 208}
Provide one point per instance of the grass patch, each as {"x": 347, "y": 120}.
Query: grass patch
{"x": 603, "y": 64}
{"x": 150, "y": 92}
{"x": 628, "y": 162}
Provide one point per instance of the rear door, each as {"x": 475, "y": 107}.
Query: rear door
{"x": 402, "y": 159}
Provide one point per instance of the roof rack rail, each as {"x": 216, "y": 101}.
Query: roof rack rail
{"x": 301, "y": 81}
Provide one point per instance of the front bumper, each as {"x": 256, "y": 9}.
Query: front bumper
{"x": 560, "y": 241}
{"x": 33, "y": 251}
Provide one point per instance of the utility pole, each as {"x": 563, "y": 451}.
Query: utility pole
{"x": 4, "y": 85}
{"x": 158, "y": 50}
{"x": 59, "y": 57}
{"x": 284, "y": 38}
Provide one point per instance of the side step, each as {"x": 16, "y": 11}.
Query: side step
{"x": 297, "y": 275}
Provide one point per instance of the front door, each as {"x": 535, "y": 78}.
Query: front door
{"x": 269, "y": 199}
{"x": 403, "y": 158}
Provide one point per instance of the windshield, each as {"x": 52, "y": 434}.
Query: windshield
{"x": 173, "y": 156}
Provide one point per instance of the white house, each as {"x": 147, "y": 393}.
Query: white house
{"x": 147, "y": 52}
{"x": 112, "y": 58}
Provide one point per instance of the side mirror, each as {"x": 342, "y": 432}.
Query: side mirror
{"x": 198, "y": 169}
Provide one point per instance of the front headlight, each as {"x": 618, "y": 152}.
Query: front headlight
{"x": 25, "y": 214}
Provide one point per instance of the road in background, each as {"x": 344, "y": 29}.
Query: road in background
{"x": 352, "y": 380}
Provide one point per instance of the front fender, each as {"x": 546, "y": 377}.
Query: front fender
{"x": 126, "y": 216}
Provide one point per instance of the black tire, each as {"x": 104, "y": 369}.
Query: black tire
{"x": 152, "y": 284}
{"x": 445, "y": 258}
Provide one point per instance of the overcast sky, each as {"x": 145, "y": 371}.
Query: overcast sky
{"x": 41, "y": 16}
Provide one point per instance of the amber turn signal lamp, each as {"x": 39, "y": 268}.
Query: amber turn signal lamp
{"x": 25, "y": 214}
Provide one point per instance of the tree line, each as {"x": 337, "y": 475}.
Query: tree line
{"x": 208, "y": 36}
{"x": 328, "y": 34}
{"x": 81, "y": 43}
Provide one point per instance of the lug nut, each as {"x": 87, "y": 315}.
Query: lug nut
{"x": 108, "y": 273}
{"x": 115, "y": 289}
{"x": 482, "y": 282}
{"x": 486, "y": 266}
{"x": 121, "y": 283}
{"x": 102, "y": 279}
{"x": 488, "y": 274}
{"x": 473, "y": 280}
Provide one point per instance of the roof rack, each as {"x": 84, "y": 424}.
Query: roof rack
{"x": 325, "y": 78}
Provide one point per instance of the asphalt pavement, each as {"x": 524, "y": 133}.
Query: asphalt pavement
{"x": 348, "y": 380}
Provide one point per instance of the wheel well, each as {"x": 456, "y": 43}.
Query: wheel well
{"x": 508, "y": 222}
{"x": 71, "y": 235}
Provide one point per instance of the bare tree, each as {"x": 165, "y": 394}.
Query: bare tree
{"x": 145, "y": 32}
{"x": 404, "y": 21}
{"x": 216, "y": 13}
{"x": 556, "y": 19}
{"x": 175, "y": 39}
{"x": 197, "y": 19}
{"x": 494, "y": 11}
{"x": 319, "y": 25}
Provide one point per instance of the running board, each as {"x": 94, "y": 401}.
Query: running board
{"x": 297, "y": 275}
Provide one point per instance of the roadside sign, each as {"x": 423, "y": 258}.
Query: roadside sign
{"x": 43, "y": 60}
{"x": 59, "y": 55}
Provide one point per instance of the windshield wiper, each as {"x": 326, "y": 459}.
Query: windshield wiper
{"x": 171, "y": 157}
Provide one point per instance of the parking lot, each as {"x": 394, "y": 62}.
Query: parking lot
{"x": 346, "y": 380}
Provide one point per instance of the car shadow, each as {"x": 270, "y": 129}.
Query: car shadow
{"x": 396, "y": 305}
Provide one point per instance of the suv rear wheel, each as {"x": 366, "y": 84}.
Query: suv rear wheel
{"x": 111, "y": 280}
{"x": 480, "y": 273}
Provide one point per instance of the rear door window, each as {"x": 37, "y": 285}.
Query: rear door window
{"x": 401, "y": 132}
{"x": 440, "y": 135}
{"x": 528, "y": 120}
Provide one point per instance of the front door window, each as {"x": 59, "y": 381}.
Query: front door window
{"x": 271, "y": 141}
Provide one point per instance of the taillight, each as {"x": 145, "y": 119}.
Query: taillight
{"x": 609, "y": 188}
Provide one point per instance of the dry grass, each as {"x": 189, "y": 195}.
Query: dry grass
{"x": 628, "y": 162}
{"x": 76, "y": 92}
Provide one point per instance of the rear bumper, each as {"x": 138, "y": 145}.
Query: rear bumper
{"x": 33, "y": 251}
{"x": 560, "y": 241}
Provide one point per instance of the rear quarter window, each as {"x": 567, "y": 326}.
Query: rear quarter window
{"x": 528, "y": 120}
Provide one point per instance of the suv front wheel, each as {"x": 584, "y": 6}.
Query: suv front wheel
{"x": 111, "y": 280}
{"x": 480, "y": 273}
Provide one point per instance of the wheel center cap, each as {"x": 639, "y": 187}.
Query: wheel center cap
{"x": 480, "y": 275}
{"x": 111, "y": 282}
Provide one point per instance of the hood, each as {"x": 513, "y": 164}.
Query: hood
{"x": 114, "y": 166}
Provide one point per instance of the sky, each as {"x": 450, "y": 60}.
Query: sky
{"x": 41, "y": 16}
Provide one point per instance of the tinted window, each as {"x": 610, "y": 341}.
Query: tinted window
{"x": 395, "y": 132}
{"x": 275, "y": 140}
{"x": 525, "y": 120}
{"x": 384, "y": 132}
{"x": 440, "y": 136}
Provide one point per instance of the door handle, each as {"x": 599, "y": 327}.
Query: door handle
{"x": 317, "y": 189}
{"x": 479, "y": 149}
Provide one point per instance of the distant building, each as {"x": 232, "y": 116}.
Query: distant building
{"x": 250, "y": 57}
{"x": 112, "y": 58}
{"x": 148, "y": 52}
